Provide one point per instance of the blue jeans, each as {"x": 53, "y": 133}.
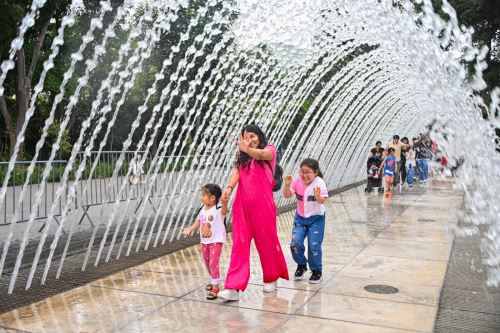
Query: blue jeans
{"x": 423, "y": 169}
{"x": 428, "y": 168}
{"x": 313, "y": 228}
{"x": 396, "y": 179}
{"x": 409, "y": 173}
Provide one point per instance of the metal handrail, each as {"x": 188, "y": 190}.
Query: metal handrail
{"x": 96, "y": 194}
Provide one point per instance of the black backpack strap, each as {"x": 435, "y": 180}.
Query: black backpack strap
{"x": 270, "y": 166}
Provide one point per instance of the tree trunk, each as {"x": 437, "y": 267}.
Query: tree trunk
{"x": 22, "y": 100}
{"x": 23, "y": 91}
{"x": 8, "y": 123}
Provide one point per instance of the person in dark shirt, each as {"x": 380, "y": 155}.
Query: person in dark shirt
{"x": 423, "y": 154}
{"x": 377, "y": 154}
{"x": 403, "y": 160}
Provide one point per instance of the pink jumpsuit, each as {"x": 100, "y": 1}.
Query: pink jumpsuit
{"x": 254, "y": 217}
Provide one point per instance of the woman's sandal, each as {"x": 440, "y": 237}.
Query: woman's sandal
{"x": 213, "y": 294}
{"x": 209, "y": 287}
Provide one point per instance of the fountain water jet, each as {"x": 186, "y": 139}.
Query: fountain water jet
{"x": 330, "y": 78}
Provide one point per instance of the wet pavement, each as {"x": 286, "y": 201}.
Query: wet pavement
{"x": 402, "y": 242}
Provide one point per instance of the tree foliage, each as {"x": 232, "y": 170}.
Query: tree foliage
{"x": 482, "y": 15}
{"x": 29, "y": 59}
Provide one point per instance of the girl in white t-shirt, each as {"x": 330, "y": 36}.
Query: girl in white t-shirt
{"x": 210, "y": 222}
{"x": 311, "y": 193}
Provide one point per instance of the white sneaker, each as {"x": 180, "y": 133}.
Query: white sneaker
{"x": 270, "y": 287}
{"x": 229, "y": 294}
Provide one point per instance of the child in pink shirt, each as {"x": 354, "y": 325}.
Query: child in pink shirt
{"x": 311, "y": 193}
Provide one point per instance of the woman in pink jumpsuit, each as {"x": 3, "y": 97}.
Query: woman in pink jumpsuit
{"x": 254, "y": 214}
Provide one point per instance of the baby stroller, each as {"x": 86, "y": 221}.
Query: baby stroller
{"x": 374, "y": 179}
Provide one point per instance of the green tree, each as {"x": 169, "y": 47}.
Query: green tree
{"x": 484, "y": 17}
{"x": 29, "y": 59}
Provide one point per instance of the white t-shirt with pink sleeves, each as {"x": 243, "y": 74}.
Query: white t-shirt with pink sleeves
{"x": 216, "y": 219}
{"x": 307, "y": 205}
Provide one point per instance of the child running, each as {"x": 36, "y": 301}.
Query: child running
{"x": 311, "y": 193}
{"x": 212, "y": 233}
{"x": 390, "y": 169}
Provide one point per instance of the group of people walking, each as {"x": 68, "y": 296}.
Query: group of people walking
{"x": 252, "y": 182}
{"x": 399, "y": 160}
{"x": 254, "y": 218}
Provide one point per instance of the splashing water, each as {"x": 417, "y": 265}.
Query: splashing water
{"x": 329, "y": 78}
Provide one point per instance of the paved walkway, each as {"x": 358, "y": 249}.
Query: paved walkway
{"x": 401, "y": 242}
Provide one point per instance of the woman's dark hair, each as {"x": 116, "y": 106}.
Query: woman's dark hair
{"x": 405, "y": 140}
{"x": 313, "y": 165}
{"x": 213, "y": 189}
{"x": 244, "y": 159}
{"x": 378, "y": 142}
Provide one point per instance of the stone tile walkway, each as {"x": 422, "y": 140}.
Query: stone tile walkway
{"x": 403, "y": 242}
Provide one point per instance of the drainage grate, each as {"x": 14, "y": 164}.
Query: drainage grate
{"x": 457, "y": 321}
{"x": 72, "y": 275}
{"x": 466, "y": 304}
{"x": 381, "y": 289}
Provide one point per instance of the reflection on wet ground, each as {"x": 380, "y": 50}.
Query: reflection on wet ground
{"x": 403, "y": 242}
